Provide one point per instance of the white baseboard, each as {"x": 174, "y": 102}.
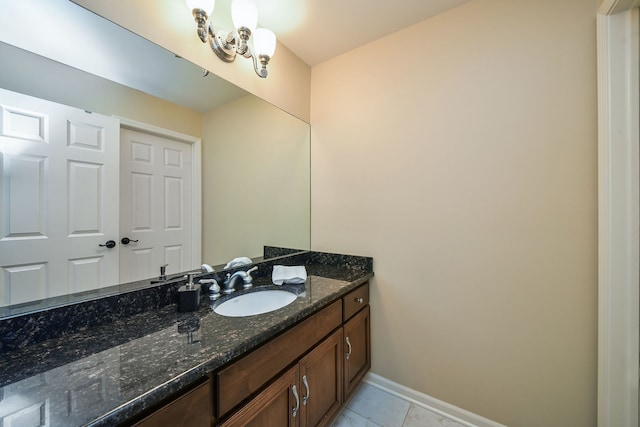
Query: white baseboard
{"x": 432, "y": 404}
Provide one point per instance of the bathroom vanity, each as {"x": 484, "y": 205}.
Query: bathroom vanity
{"x": 293, "y": 366}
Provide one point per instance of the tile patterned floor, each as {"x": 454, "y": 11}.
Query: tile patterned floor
{"x": 373, "y": 407}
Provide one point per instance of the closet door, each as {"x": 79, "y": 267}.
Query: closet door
{"x": 156, "y": 205}
{"x": 58, "y": 199}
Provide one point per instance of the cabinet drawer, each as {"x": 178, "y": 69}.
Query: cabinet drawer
{"x": 354, "y": 301}
{"x": 241, "y": 379}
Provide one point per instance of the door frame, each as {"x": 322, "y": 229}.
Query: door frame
{"x": 618, "y": 213}
{"x": 196, "y": 179}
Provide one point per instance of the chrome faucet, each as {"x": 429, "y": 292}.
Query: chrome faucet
{"x": 230, "y": 282}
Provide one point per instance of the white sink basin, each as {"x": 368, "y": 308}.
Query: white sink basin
{"x": 255, "y": 303}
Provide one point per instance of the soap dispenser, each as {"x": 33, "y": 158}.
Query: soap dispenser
{"x": 189, "y": 295}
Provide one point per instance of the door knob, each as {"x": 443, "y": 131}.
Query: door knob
{"x": 108, "y": 244}
{"x": 126, "y": 240}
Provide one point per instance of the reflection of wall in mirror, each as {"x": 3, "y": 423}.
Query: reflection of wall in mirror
{"x": 35, "y": 76}
{"x": 256, "y": 180}
{"x": 172, "y": 27}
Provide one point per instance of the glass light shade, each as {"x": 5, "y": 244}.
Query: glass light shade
{"x": 206, "y": 5}
{"x": 244, "y": 14}
{"x": 264, "y": 42}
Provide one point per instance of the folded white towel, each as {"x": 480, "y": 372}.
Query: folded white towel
{"x": 238, "y": 262}
{"x": 207, "y": 268}
{"x": 289, "y": 275}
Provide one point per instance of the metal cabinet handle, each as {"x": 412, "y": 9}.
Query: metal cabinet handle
{"x": 295, "y": 394}
{"x": 109, "y": 244}
{"x": 359, "y": 300}
{"x": 349, "y": 351}
{"x": 126, "y": 241}
{"x": 306, "y": 385}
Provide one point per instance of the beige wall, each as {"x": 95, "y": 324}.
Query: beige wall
{"x": 288, "y": 83}
{"x": 255, "y": 169}
{"x": 467, "y": 169}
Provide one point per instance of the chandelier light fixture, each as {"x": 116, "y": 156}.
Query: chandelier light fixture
{"x": 228, "y": 44}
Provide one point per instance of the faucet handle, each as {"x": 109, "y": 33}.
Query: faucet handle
{"x": 214, "y": 288}
{"x": 228, "y": 285}
{"x": 247, "y": 279}
{"x": 248, "y": 276}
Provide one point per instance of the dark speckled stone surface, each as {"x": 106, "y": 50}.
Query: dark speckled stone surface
{"x": 31, "y": 323}
{"x": 107, "y": 373}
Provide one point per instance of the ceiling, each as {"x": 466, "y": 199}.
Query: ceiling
{"x": 317, "y": 30}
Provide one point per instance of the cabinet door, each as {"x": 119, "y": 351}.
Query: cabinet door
{"x": 357, "y": 350}
{"x": 193, "y": 409}
{"x": 277, "y": 405}
{"x": 321, "y": 382}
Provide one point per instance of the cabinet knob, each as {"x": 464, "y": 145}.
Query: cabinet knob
{"x": 359, "y": 300}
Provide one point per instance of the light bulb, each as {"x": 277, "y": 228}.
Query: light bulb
{"x": 206, "y": 5}
{"x": 264, "y": 42}
{"x": 244, "y": 14}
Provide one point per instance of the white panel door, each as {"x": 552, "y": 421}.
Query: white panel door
{"x": 59, "y": 200}
{"x": 156, "y": 200}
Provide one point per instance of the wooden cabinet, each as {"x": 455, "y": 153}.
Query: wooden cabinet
{"x": 249, "y": 374}
{"x": 319, "y": 373}
{"x": 192, "y": 409}
{"x": 357, "y": 349}
{"x": 309, "y": 394}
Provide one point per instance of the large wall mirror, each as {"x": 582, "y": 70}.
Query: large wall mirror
{"x": 247, "y": 186}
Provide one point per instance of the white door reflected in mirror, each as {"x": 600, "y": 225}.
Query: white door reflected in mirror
{"x": 155, "y": 205}
{"x": 59, "y": 191}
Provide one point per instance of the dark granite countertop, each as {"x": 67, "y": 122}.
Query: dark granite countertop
{"x": 107, "y": 374}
